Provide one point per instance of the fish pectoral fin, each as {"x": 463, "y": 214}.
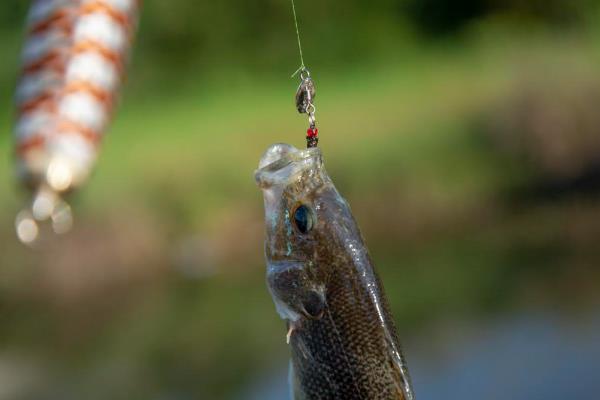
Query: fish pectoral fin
{"x": 293, "y": 384}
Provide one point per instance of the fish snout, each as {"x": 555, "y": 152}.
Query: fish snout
{"x": 281, "y": 163}
{"x": 275, "y": 152}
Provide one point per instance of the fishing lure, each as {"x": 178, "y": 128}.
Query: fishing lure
{"x": 72, "y": 67}
{"x": 343, "y": 340}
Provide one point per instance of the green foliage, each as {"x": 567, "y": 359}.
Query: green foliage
{"x": 194, "y": 39}
{"x": 441, "y": 17}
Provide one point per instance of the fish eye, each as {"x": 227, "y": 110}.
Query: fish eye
{"x": 304, "y": 218}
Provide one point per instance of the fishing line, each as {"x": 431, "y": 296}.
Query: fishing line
{"x": 306, "y": 92}
{"x": 299, "y": 43}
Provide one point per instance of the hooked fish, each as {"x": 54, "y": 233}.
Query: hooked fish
{"x": 343, "y": 340}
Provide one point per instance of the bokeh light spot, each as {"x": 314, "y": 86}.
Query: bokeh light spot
{"x": 27, "y": 228}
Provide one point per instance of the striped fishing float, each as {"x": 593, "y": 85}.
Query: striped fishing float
{"x": 72, "y": 68}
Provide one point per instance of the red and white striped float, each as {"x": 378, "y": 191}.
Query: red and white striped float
{"x": 72, "y": 67}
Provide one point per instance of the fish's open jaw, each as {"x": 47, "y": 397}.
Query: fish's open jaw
{"x": 282, "y": 162}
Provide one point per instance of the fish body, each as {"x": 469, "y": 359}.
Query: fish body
{"x": 343, "y": 340}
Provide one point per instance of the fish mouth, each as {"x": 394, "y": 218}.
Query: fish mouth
{"x": 281, "y": 163}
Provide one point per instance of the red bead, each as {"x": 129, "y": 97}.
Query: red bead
{"x": 312, "y": 132}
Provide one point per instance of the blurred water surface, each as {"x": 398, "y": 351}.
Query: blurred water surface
{"x": 532, "y": 356}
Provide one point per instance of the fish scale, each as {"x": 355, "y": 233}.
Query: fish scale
{"x": 350, "y": 350}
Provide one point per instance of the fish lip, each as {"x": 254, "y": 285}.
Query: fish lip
{"x": 285, "y": 168}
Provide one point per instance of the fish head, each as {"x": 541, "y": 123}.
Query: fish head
{"x": 303, "y": 213}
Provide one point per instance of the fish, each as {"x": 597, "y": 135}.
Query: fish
{"x": 343, "y": 340}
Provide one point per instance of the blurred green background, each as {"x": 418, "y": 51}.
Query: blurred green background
{"x": 465, "y": 135}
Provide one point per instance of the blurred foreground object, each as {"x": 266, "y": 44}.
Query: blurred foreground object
{"x": 72, "y": 67}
